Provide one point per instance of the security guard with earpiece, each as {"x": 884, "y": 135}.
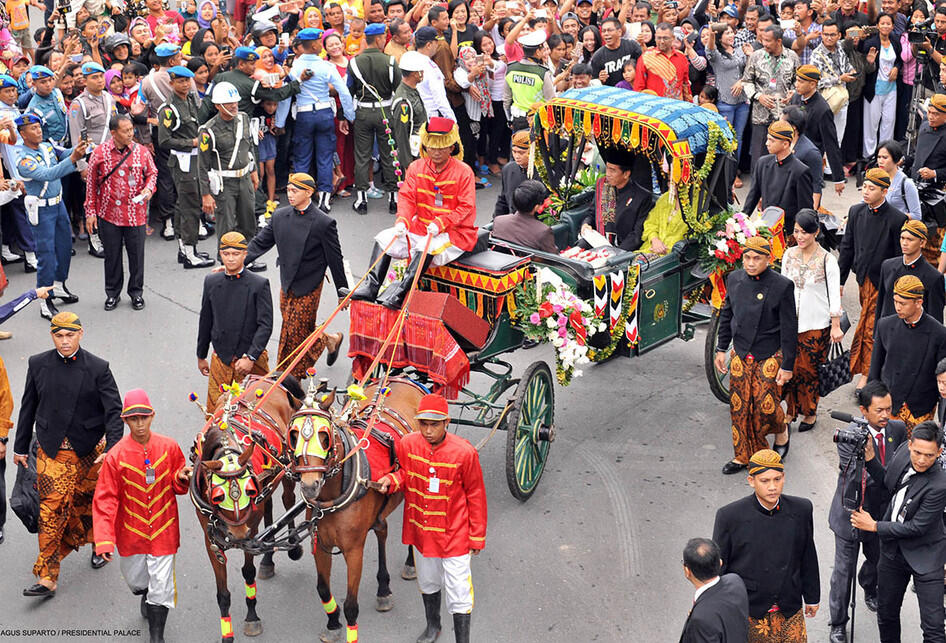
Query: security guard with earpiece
{"x": 227, "y": 175}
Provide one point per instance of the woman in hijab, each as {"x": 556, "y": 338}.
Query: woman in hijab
{"x": 206, "y": 12}
{"x": 115, "y": 87}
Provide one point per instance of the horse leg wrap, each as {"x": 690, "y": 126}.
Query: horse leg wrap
{"x": 330, "y": 605}
{"x": 351, "y": 635}
{"x": 250, "y": 591}
{"x": 226, "y": 629}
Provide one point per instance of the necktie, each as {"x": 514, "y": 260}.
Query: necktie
{"x": 881, "y": 448}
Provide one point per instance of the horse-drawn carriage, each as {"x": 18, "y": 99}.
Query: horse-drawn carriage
{"x": 463, "y": 318}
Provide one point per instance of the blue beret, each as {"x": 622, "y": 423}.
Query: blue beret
{"x": 92, "y": 68}
{"x": 7, "y": 81}
{"x": 166, "y": 50}
{"x": 27, "y": 119}
{"x": 245, "y": 53}
{"x": 309, "y": 34}
{"x": 375, "y": 29}
{"x": 39, "y": 71}
{"x": 179, "y": 71}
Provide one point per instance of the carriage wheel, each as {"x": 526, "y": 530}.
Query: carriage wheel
{"x": 718, "y": 382}
{"x": 529, "y": 430}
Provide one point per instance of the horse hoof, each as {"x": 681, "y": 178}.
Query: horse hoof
{"x": 266, "y": 572}
{"x": 252, "y": 628}
{"x": 408, "y": 573}
{"x": 295, "y": 553}
{"x": 331, "y": 636}
{"x": 385, "y": 603}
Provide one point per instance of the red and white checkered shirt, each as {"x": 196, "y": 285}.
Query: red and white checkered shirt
{"x": 112, "y": 199}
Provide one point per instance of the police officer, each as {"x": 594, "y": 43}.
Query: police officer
{"x": 48, "y": 103}
{"x": 528, "y": 81}
{"x": 177, "y": 133}
{"x": 89, "y": 115}
{"x": 250, "y": 91}
{"x": 16, "y": 230}
{"x": 227, "y": 173}
{"x": 42, "y": 166}
{"x": 407, "y": 110}
{"x": 373, "y": 77}
{"x": 154, "y": 91}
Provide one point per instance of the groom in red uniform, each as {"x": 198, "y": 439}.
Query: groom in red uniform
{"x": 437, "y": 198}
{"x": 444, "y": 513}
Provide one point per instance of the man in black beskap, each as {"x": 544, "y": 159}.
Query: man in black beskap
{"x": 768, "y": 539}
{"x": 886, "y": 437}
{"x": 912, "y": 536}
{"x": 913, "y": 235}
{"x": 820, "y": 127}
{"x": 608, "y": 62}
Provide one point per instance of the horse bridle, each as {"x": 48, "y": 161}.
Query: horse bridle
{"x": 304, "y": 443}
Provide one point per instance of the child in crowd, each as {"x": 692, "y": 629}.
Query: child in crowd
{"x": 627, "y": 71}
{"x": 355, "y": 40}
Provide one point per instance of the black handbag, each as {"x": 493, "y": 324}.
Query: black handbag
{"x": 24, "y": 501}
{"x": 836, "y": 370}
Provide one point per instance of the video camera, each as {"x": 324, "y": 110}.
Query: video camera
{"x": 921, "y": 32}
{"x": 857, "y": 436}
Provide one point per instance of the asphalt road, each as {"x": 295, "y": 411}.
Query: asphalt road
{"x": 594, "y": 555}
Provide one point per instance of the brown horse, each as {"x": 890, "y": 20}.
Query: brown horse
{"x": 232, "y": 491}
{"x": 344, "y": 518}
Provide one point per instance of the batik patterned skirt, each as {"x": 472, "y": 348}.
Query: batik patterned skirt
{"x": 801, "y": 392}
{"x": 299, "y": 319}
{"x": 775, "y": 628}
{"x": 754, "y": 404}
{"x": 863, "y": 343}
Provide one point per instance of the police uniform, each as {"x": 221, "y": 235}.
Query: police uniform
{"x": 408, "y": 114}
{"x": 527, "y": 82}
{"x": 51, "y": 108}
{"x": 41, "y": 170}
{"x": 251, "y": 91}
{"x": 16, "y": 229}
{"x": 373, "y": 76}
{"x": 177, "y": 131}
{"x": 227, "y": 151}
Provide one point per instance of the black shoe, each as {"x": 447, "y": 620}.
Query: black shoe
{"x": 871, "y": 602}
{"x": 98, "y": 254}
{"x": 782, "y": 449}
{"x": 47, "y": 309}
{"x": 394, "y": 294}
{"x": 1, "y": 537}
{"x": 29, "y": 267}
{"x": 733, "y": 467}
{"x": 6, "y": 262}
{"x": 392, "y": 203}
{"x": 97, "y": 561}
{"x": 256, "y": 266}
{"x": 111, "y": 303}
{"x": 333, "y": 354}
{"x": 63, "y": 295}
{"x": 461, "y": 628}
{"x": 142, "y": 606}
{"x": 137, "y": 302}
{"x": 806, "y": 426}
{"x": 360, "y": 204}
{"x": 39, "y": 590}
{"x": 157, "y": 616}
{"x": 432, "y": 610}
{"x": 838, "y": 634}
{"x": 368, "y": 289}
{"x": 857, "y": 394}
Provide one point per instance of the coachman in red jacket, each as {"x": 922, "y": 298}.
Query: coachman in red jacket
{"x": 444, "y": 513}
{"x": 135, "y": 509}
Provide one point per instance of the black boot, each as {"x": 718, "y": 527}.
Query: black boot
{"x": 157, "y": 616}
{"x": 461, "y": 627}
{"x": 393, "y": 296}
{"x": 368, "y": 289}
{"x": 432, "y": 609}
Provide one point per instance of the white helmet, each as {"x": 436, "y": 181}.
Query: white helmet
{"x": 224, "y": 93}
{"x": 413, "y": 61}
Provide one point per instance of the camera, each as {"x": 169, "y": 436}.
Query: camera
{"x": 920, "y": 32}
{"x": 136, "y": 8}
{"x": 858, "y": 437}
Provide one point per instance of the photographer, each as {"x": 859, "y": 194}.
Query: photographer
{"x": 912, "y": 537}
{"x": 886, "y": 436}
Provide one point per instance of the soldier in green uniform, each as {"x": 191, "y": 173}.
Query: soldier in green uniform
{"x": 226, "y": 158}
{"x": 374, "y": 77}
{"x": 408, "y": 111}
{"x": 528, "y": 81}
{"x": 177, "y": 132}
{"x": 251, "y": 91}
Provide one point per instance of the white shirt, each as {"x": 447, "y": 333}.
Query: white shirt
{"x": 898, "y": 499}
{"x": 434, "y": 94}
{"x": 816, "y": 284}
{"x": 699, "y": 592}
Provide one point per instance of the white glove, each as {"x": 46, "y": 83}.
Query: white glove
{"x": 432, "y": 229}
{"x": 400, "y": 229}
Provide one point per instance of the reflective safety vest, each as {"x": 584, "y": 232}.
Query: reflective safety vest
{"x": 525, "y": 81}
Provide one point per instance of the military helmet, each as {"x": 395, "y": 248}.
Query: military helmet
{"x": 224, "y": 93}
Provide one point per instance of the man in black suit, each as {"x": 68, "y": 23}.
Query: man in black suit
{"x": 236, "y": 316}
{"x": 71, "y": 397}
{"x": 523, "y": 227}
{"x": 513, "y": 173}
{"x": 768, "y": 539}
{"x": 307, "y": 241}
{"x": 912, "y": 536}
{"x": 779, "y": 178}
{"x": 621, "y": 205}
{"x": 820, "y": 120}
{"x": 887, "y": 435}
{"x": 913, "y": 235}
{"x": 720, "y": 610}
{"x": 907, "y": 347}
{"x": 941, "y": 387}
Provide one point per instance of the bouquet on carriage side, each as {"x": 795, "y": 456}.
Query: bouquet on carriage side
{"x": 548, "y": 311}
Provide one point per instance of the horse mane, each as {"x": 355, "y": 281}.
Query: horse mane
{"x": 213, "y": 442}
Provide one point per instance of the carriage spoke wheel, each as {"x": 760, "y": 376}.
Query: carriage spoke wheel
{"x": 718, "y": 382}
{"x": 529, "y": 430}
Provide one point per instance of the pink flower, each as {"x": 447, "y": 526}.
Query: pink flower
{"x": 557, "y": 308}
{"x": 563, "y": 332}
{"x": 562, "y": 320}
{"x": 534, "y": 318}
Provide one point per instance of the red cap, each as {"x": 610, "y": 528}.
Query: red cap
{"x": 136, "y": 403}
{"x": 432, "y": 407}
{"x": 439, "y": 125}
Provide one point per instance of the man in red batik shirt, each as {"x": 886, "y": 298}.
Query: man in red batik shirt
{"x": 663, "y": 69}
{"x": 436, "y": 199}
{"x": 444, "y": 513}
{"x": 134, "y": 508}
{"x": 121, "y": 179}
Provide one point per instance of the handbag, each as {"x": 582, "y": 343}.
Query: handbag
{"x": 24, "y": 500}
{"x": 835, "y": 372}
{"x": 836, "y": 97}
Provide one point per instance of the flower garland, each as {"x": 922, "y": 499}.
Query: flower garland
{"x": 617, "y": 333}
{"x": 716, "y": 141}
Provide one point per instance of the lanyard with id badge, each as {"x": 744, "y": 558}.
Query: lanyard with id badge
{"x": 149, "y": 470}
{"x": 438, "y": 197}
{"x": 433, "y": 485}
